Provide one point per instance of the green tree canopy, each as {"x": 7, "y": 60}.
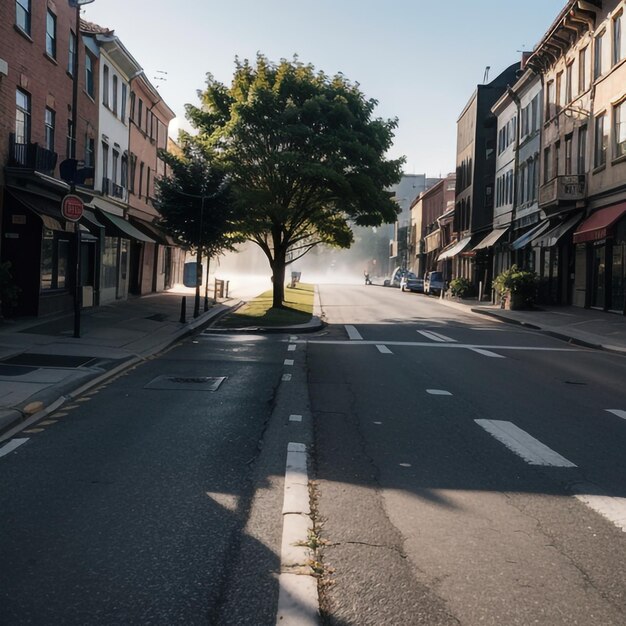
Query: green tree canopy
{"x": 305, "y": 155}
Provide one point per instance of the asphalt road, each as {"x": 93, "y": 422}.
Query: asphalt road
{"x": 134, "y": 505}
{"x": 450, "y": 451}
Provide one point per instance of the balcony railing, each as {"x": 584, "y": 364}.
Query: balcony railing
{"x": 562, "y": 190}
{"x": 31, "y": 156}
{"x": 112, "y": 189}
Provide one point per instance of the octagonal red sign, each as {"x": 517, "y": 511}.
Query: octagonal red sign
{"x": 72, "y": 208}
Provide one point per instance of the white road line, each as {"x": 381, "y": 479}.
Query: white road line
{"x": 286, "y": 377}
{"x": 494, "y": 330}
{"x": 297, "y": 590}
{"x": 12, "y": 445}
{"x": 291, "y": 347}
{"x": 353, "y": 333}
{"x": 293, "y": 338}
{"x": 383, "y": 349}
{"x": 295, "y": 418}
{"x": 612, "y": 508}
{"x": 443, "y": 337}
{"x": 519, "y": 441}
{"x": 431, "y": 335}
{"x": 617, "y": 412}
{"x": 288, "y": 362}
{"x": 438, "y": 392}
{"x": 487, "y": 353}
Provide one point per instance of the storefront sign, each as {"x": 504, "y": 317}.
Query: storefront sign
{"x": 18, "y": 219}
{"x": 72, "y": 208}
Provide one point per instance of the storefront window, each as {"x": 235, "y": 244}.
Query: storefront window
{"x": 55, "y": 251}
{"x": 597, "y": 277}
{"x": 109, "y": 262}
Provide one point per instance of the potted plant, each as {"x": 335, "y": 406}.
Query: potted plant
{"x": 460, "y": 287}
{"x": 517, "y": 288}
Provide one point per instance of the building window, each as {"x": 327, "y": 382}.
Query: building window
{"x": 557, "y": 158}
{"x": 22, "y": 117}
{"x": 115, "y": 164}
{"x": 68, "y": 140}
{"x": 582, "y": 70}
{"x": 49, "y": 129}
{"x": 148, "y": 190}
{"x": 549, "y": 99}
{"x": 22, "y": 15}
{"x": 132, "y": 105}
{"x": 582, "y": 149}
{"x": 568, "y": 83}
{"x": 71, "y": 57}
{"x": 109, "y": 262}
{"x": 597, "y": 55}
{"x": 51, "y": 34}
{"x": 105, "y": 85}
{"x": 115, "y": 94}
{"x": 600, "y": 141}
{"x": 133, "y": 172}
{"x": 558, "y": 94}
{"x": 55, "y": 254}
{"x": 105, "y": 160}
{"x": 568, "y": 154}
{"x": 547, "y": 164}
{"x": 618, "y": 40}
{"x": 89, "y": 150}
{"x": 140, "y": 113}
{"x": 89, "y": 84}
{"x": 619, "y": 130}
{"x": 123, "y": 105}
{"x": 140, "y": 178}
{"x": 124, "y": 174}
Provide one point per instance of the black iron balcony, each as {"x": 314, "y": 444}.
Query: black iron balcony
{"x": 112, "y": 189}
{"x": 562, "y": 190}
{"x": 31, "y": 156}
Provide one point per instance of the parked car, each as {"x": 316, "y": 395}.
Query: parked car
{"x": 410, "y": 282}
{"x": 396, "y": 277}
{"x": 433, "y": 283}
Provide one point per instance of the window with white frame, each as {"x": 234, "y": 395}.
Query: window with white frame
{"x": 51, "y": 34}
{"x": 582, "y": 149}
{"x": 599, "y": 141}
{"x": 597, "y": 55}
{"x": 22, "y": 117}
{"x": 89, "y": 84}
{"x": 618, "y": 39}
{"x": 23, "y": 15}
{"x": 568, "y": 82}
{"x": 105, "y": 85}
{"x": 49, "y": 129}
{"x": 619, "y": 130}
{"x": 582, "y": 70}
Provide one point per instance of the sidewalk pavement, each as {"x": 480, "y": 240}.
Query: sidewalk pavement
{"x": 586, "y": 327}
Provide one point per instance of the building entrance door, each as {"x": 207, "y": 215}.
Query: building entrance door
{"x": 598, "y": 275}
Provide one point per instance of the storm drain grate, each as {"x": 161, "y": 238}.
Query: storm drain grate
{"x": 186, "y": 383}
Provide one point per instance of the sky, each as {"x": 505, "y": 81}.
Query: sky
{"x": 420, "y": 60}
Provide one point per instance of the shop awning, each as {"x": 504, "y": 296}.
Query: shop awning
{"x": 432, "y": 241}
{"x": 491, "y": 238}
{"x": 153, "y": 231}
{"x": 48, "y": 210}
{"x": 90, "y": 221}
{"x": 528, "y": 236}
{"x": 599, "y": 224}
{"x": 119, "y": 227}
{"x": 551, "y": 238}
{"x": 455, "y": 249}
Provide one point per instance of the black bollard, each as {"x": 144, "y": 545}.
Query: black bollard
{"x": 183, "y": 310}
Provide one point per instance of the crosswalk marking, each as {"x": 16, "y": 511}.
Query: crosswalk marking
{"x": 353, "y": 333}
{"x": 524, "y": 445}
{"x": 12, "y": 445}
{"x": 383, "y": 349}
{"x": 487, "y": 353}
{"x": 430, "y": 334}
{"x": 617, "y": 412}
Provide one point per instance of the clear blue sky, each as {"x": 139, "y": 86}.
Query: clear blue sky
{"x": 421, "y": 60}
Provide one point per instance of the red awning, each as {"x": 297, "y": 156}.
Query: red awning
{"x": 598, "y": 225}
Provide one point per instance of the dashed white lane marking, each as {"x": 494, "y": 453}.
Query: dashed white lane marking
{"x": 291, "y": 347}
{"x": 12, "y": 445}
{"x": 293, "y": 338}
{"x": 297, "y": 592}
{"x": 378, "y": 423}
{"x": 286, "y": 377}
{"x": 353, "y": 333}
{"x": 295, "y": 418}
{"x": 288, "y": 362}
{"x": 610, "y": 507}
{"x": 430, "y": 334}
{"x": 487, "y": 353}
{"x": 438, "y": 392}
{"x": 405, "y": 464}
{"x": 383, "y": 349}
{"x": 524, "y": 445}
{"x": 617, "y": 412}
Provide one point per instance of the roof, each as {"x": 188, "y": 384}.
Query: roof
{"x": 95, "y": 29}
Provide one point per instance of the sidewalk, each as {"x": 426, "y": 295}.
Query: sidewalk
{"x": 594, "y": 329}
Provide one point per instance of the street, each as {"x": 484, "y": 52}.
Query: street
{"x": 463, "y": 471}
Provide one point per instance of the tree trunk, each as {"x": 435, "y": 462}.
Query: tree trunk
{"x": 278, "y": 283}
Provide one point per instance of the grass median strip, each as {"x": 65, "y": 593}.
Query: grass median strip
{"x": 297, "y": 309}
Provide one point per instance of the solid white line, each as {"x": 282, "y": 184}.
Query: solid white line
{"x": 617, "y": 412}
{"x": 383, "y": 349}
{"x": 353, "y": 333}
{"x": 438, "y": 392}
{"x": 612, "y": 508}
{"x": 429, "y": 344}
{"x": 295, "y": 418}
{"x": 487, "y": 353}
{"x": 519, "y": 441}
{"x": 291, "y": 347}
{"x": 286, "y": 377}
{"x": 288, "y": 362}
{"x": 9, "y": 447}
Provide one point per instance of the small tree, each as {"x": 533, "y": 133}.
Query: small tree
{"x": 305, "y": 155}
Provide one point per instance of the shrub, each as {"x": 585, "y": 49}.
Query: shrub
{"x": 517, "y": 281}
{"x": 460, "y": 287}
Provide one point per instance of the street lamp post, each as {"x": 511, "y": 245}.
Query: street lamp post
{"x": 196, "y": 305}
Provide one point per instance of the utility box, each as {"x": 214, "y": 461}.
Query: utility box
{"x": 189, "y": 274}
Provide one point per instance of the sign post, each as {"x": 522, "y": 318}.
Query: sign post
{"x": 72, "y": 209}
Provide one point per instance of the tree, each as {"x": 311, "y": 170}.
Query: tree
{"x": 194, "y": 201}
{"x": 305, "y": 154}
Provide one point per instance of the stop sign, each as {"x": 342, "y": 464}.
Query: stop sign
{"x": 72, "y": 208}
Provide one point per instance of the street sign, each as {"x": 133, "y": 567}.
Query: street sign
{"x": 72, "y": 208}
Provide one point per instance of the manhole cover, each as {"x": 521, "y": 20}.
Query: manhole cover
{"x": 48, "y": 360}
{"x": 186, "y": 383}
